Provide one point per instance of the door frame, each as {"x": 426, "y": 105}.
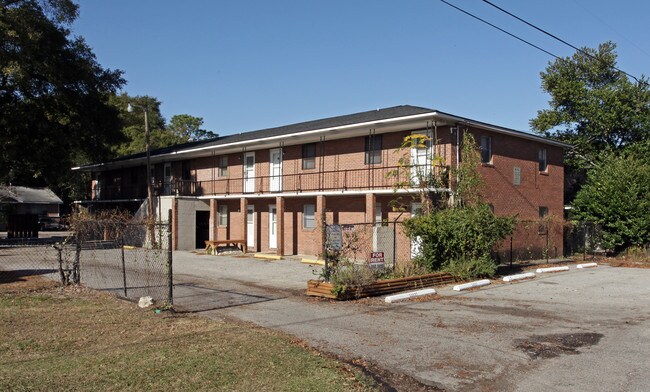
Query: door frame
{"x": 167, "y": 180}
{"x": 275, "y": 181}
{"x": 250, "y": 231}
{"x": 249, "y": 181}
{"x": 416, "y": 166}
{"x": 273, "y": 227}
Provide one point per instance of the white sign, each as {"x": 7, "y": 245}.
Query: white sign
{"x": 377, "y": 260}
{"x": 335, "y": 237}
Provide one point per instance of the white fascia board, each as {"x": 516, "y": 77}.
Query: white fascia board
{"x": 315, "y": 132}
{"x": 312, "y": 132}
{"x": 498, "y": 129}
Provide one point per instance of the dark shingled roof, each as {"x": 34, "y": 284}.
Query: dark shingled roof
{"x": 331, "y": 122}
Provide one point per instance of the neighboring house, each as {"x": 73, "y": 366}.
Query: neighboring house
{"x": 23, "y": 206}
{"x": 271, "y": 186}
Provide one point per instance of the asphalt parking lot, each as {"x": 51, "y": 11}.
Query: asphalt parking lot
{"x": 582, "y": 330}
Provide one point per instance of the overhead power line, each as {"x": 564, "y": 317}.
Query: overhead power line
{"x": 500, "y": 29}
{"x": 552, "y": 36}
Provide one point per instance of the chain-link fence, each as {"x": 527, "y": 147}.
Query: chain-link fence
{"x": 131, "y": 260}
{"x": 384, "y": 245}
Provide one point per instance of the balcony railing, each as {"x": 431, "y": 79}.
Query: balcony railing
{"x": 134, "y": 192}
{"x": 369, "y": 178}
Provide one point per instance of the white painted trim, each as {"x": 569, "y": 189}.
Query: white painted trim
{"x": 526, "y": 275}
{"x": 551, "y": 269}
{"x": 412, "y": 294}
{"x": 465, "y": 286}
{"x": 318, "y": 193}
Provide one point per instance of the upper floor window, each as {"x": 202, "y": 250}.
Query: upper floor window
{"x": 186, "y": 173}
{"x": 223, "y": 166}
{"x": 373, "y": 149}
{"x": 309, "y": 156}
{"x": 486, "y": 149}
{"x": 542, "y": 160}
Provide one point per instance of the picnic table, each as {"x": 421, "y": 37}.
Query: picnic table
{"x": 211, "y": 247}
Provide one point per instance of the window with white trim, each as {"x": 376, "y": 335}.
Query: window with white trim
{"x": 223, "y": 166}
{"x": 222, "y": 215}
{"x": 308, "y": 216}
{"x": 373, "y": 149}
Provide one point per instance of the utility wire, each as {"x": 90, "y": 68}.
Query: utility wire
{"x": 501, "y": 30}
{"x": 584, "y": 52}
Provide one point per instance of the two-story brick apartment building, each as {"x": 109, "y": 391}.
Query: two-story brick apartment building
{"x": 271, "y": 186}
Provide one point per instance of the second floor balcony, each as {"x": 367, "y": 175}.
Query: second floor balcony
{"x": 370, "y": 178}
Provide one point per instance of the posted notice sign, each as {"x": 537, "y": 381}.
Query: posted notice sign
{"x": 377, "y": 260}
{"x": 335, "y": 237}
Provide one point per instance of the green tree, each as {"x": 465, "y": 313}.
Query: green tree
{"x": 594, "y": 107}
{"x": 132, "y": 124}
{"x": 54, "y": 110}
{"x": 617, "y": 197}
{"x": 186, "y": 128}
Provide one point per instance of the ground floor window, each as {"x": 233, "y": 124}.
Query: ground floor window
{"x": 222, "y": 215}
{"x": 309, "y": 216}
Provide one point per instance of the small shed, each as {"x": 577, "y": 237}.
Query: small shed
{"x": 22, "y": 206}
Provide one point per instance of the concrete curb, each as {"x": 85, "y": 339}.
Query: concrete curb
{"x": 411, "y": 294}
{"x": 465, "y": 286}
{"x": 526, "y": 275}
{"x": 313, "y": 261}
{"x": 265, "y": 256}
{"x": 552, "y": 269}
{"x": 587, "y": 265}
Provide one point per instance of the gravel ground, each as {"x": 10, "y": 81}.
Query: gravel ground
{"x": 578, "y": 330}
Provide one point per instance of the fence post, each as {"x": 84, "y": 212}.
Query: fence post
{"x": 326, "y": 270}
{"x": 394, "y": 244}
{"x": 510, "y": 253}
{"x": 123, "y": 268}
{"x": 548, "y": 246}
{"x": 170, "y": 278}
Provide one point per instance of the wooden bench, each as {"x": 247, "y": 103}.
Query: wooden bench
{"x": 211, "y": 247}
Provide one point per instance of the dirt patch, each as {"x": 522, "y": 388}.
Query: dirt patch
{"x": 14, "y": 283}
{"x": 550, "y": 346}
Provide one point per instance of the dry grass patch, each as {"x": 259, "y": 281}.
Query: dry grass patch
{"x": 72, "y": 339}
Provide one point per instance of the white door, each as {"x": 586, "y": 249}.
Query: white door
{"x": 275, "y": 170}
{"x": 416, "y": 209}
{"x": 250, "y": 226}
{"x": 167, "y": 179}
{"x": 273, "y": 227}
{"x": 420, "y": 158}
{"x": 249, "y": 172}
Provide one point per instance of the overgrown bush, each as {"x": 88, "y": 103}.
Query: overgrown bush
{"x": 471, "y": 268}
{"x": 459, "y": 239}
{"x": 346, "y": 275}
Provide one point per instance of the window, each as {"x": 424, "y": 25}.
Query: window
{"x": 309, "y": 156}
{"x": 486, "y": 149}
{"x": 222, "y": 215}
{"x": 543, "y": 211}
{"x": 223, "y": 166}
{"x": 373, "y": 149}
{"x": 186, "y": 173}
{"x": 516, "y": 175}
{"x": 542, "y": 160}
{"x": 308, "y": 216}
{"x": 543, "y": 226}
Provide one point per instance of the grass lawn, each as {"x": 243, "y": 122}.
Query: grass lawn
{"x": 77, "y": 339}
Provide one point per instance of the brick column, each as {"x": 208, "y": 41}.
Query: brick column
{"x": 214, "y": 219}
{"x": 371, "y": 200}
{"x": 243, "y": 207}
{"x": 321, "y": 206}
{"x": 279, "y": 218}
